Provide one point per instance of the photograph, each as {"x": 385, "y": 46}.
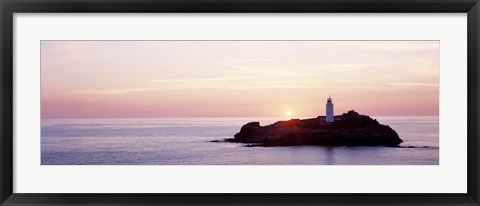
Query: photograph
{"x": 245, "y": 102}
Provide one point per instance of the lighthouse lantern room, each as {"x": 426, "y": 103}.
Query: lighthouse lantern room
{"x": 329, "y": 112}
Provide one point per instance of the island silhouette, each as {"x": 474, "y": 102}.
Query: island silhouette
{"x": 348, "y": 129}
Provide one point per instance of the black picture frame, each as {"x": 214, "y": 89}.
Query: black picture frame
{"x": 10, "y": 7}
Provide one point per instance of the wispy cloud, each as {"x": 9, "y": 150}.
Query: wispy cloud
{"x": 345, "y": 67}
{"x": 113, "y": 91}
{"x": 273, "y": 86}
{"x": 412, "y": 84}
{"x": 225, "y": 82}
{"x": 232, "y": 82}
{"x": 209, "y": 79}
{"x": 253, "y": 60}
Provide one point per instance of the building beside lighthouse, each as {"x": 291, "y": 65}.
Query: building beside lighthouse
{"x": 329, "y": 117}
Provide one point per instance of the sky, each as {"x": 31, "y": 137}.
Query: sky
{"x": 157, "y": 79}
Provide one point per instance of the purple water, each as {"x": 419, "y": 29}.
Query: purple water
{"x": 186, "y": 141}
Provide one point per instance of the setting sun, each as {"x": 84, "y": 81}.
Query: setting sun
{"x": 288, "y": 113}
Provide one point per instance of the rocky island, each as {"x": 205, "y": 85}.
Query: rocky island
{"x": 348, "y": 129}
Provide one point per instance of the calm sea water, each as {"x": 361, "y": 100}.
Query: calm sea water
{"x": 186, "y": 141}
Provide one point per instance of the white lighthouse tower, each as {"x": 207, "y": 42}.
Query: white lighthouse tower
{"x": 329, "y": 112}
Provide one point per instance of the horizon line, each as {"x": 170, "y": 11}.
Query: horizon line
{"x": 180, "y": 117}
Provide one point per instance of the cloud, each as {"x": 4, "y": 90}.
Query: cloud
{"x": 412, "y": 84}
{"x": 273, "y": 86}
{"x": 254, "y": 60}
{"x": 209, "y": 79}
{"x": 231, "y": 82}
{"x": 163, "y": 84}
{"x": 113, "y": 91}
{"x": 223, "y": 82}
{"x": 345, "y": 67}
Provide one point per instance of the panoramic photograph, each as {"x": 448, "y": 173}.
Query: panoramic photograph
{"x": 240, "y": 102}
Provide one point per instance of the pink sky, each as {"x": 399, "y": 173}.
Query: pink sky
{"x": 128, "y": 79}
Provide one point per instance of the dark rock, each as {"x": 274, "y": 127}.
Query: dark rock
{"x": 349, "y": 129}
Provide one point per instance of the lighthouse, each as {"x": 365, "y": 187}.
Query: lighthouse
{"x": 329, "y": 112}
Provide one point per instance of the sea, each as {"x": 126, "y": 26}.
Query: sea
{"x": 188, "y": 141}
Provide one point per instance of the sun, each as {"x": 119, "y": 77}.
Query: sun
{"x": 288, "y": 113}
